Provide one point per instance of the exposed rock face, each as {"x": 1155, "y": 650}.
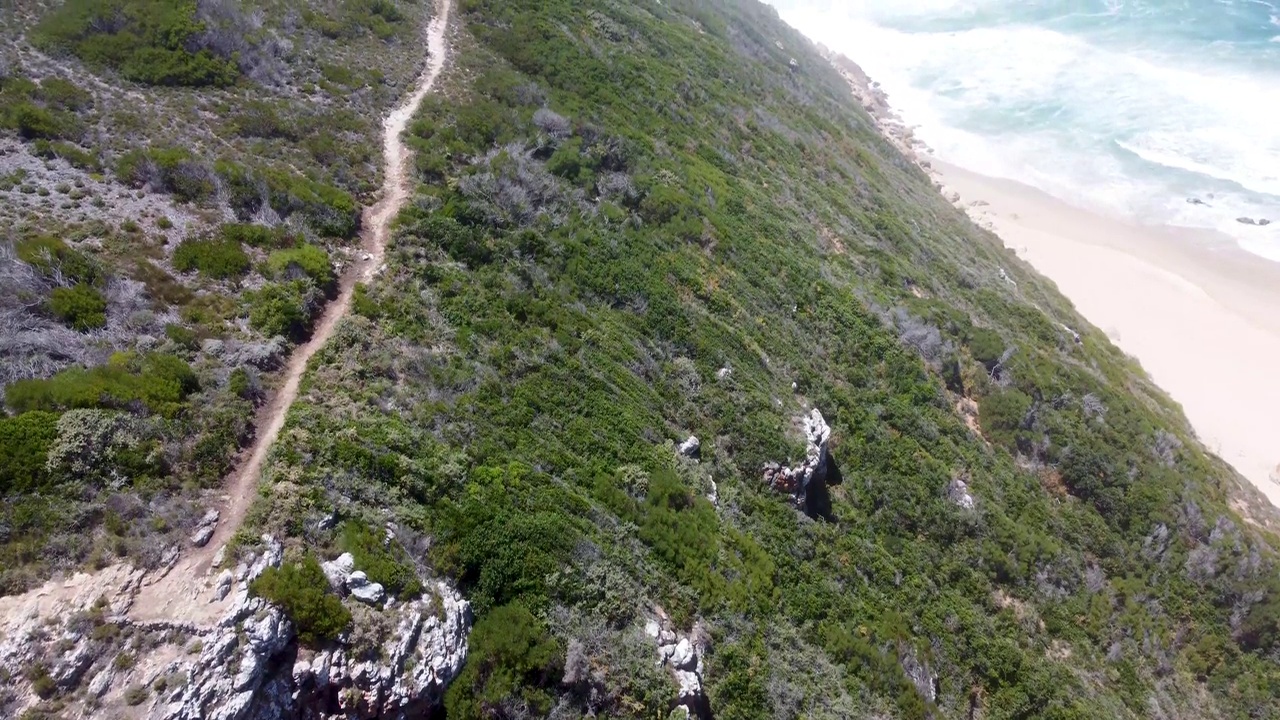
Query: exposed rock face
{"x": 807, "y": 482}
{"x": 429, "y": 652}
{"x": 683, "y": 655}
{"x": 244, "y": 664}
{"x": 958, "y": 493}
{"x": 920, "y": 674}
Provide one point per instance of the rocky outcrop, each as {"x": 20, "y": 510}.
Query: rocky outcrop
{"x": 244, "y": 664}
{"x": 428, "y": 652}
{"x": 807, "y": 482}
{"x": 683, "y": 656}
{"x": 958, "y": 493}
{"x": 691, "y": 448}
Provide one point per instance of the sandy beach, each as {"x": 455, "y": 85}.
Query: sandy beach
{"x": 1199, "y": 313}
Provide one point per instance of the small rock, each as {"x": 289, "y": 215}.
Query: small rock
{"x": 651, "y": 628}
{"x": 222, "y": 585}
{"x": 1260, "y": 222}
{"x": 357, "y": 579}
{"x": 691, "y": 448}
{"x": 723, "y": 373}
{"x": 1196, "y": 201}
{"x": 666, "y": 637}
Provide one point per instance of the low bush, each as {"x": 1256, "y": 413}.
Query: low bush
{"x": 302, "y": 591}
{"x": 78, "y": 157}
{"x": 259, "y": 236}
{"x": 285, "y": 309}
{"x": 80, "y": 306}
{"x": 154, "y": 42}
{"x": 155, "y": 381}
{"x": 217, "y": 259}
{"x": 24, "y": 449}
{"x": 171, "y": 170}
{"x": 52, "y": 256}
{"x": 163, "y": 288}
{"x": 303, "y": 261}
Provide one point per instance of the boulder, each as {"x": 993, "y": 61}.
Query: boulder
{"x": 691, "y": 448}
{"x": 339, "y": 570}
{"x": 958, "y": 493}
{"x": 370, "y": 593}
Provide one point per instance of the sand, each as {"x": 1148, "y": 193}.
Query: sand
{"x": 1200, "y": 314}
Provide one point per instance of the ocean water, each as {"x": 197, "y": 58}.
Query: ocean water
{"x": 1125, "y": 106}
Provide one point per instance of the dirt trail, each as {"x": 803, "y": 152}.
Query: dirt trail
{"x": 179, "y": 594}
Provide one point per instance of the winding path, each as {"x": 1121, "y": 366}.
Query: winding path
{"x": 179, "y": 593}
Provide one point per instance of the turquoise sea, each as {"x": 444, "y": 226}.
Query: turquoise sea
{"x": 1126, "y": 106}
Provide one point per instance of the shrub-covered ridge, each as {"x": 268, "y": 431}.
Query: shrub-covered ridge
{"x": 641, "y": 221}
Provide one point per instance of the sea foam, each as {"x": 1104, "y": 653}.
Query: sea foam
{"x": 1129, "y": 108}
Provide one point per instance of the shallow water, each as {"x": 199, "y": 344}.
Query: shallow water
{"x": 1125, "y": 106}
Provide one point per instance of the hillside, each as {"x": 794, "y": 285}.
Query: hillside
{"x": 921, "y": 484}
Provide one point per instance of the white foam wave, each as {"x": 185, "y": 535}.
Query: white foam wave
{"x": 1049, "y": 108}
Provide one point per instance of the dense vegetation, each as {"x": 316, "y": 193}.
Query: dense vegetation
{"x": 181, "y": 183}
{"x": 639, "y": 221}
{"x": 636, "y": 221}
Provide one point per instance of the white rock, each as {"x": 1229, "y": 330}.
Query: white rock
{"x": 201, "y": 536}
{"x": 371, "y": 593}
{"x": 684, "y": 658}
{"x": 222, "y": 585}
{"x": 339, "y": 570}
{"x": 651, "y": 628}
{"x": 691, "y": 448}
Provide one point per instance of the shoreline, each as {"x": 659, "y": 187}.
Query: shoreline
{"x": 1200, "y": 313}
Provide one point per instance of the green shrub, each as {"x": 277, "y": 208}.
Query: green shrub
{"x": 260, "y": 120}
{"x": 73, "y": 154}
{"x": 302, "y": 591}
{"x": 24, "y": 449}
{"x": 80, "y": 306}
{"x": 282, "y": 309}
{"x": 171, "y": 170}
{"x": 311, "y": 261}
{"x": 389, "y": 566}
{"x": 155, "y": 42}
{"x": 183, "y": 337}
{"x": 218, "y": 259}
{"x": 259, "y": 236}
{"x": 163, "y": 288}
{"x": 986, "y": 346}
{"x": 510, "y": 656}
{"x": 33, "y": 121}
{"x": 48, "y": 254}
{"x": 42, "y": 684}
{"x": 159, "y": 382}
{"x": 136, "y": 695}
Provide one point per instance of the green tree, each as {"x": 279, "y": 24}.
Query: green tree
{"x": 302, "y": 591}
{"x": 510, "y": 656}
